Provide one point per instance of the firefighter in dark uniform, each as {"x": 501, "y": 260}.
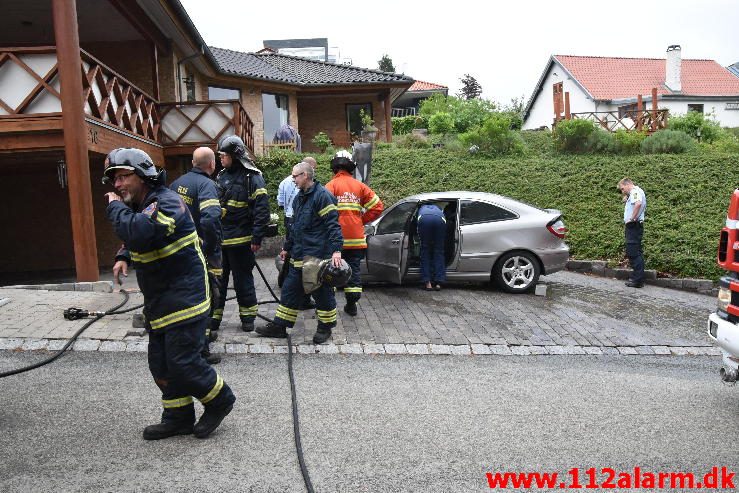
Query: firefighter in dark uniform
{"x": 159, "y": 236}
{"x": 316, "y": 233}
{"x": 200, "y": 195}
{"x": 245, "y": 215}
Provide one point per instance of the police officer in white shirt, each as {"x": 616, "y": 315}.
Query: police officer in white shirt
{"x": 635, "y": 204}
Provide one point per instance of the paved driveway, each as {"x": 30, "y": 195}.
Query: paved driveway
{"x": 579, "y": 315}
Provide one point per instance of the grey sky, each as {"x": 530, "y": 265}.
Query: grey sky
{"x": 504, "y": 45}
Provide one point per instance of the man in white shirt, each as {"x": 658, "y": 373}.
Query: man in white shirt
{"x": 635, "y": 205}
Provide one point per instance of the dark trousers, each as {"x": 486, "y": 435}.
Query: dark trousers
{"x": 353, "y": 289}
{"x": 239, "y": 261}
{"x": 288, "y": 225}
{"x": 181, "y": 372}
{"x": 634, "y": 232}
{"x": 432, "y": 233}
{"x": 291, "y": 300}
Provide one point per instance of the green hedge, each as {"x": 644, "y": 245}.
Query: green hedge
{"x": 687, "y": 194}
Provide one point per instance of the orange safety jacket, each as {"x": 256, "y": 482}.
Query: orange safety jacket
{"x": 358, "y": 205}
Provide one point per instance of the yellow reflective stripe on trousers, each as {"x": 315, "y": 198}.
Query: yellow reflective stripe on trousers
{"x": 181, "y": 315}
{"x": 236, "y": 241}
{"x": 248, "y": 310}
{"x": 354, "y": 242}
{"x": 173, "y": 403}
{"x": 298, "y": 264}
{"x": 216, "y": 272}
{"x": 166, "y": 221}
{"x": 353, "y": 289}
{"x": 173, "y": 247}
{"x": 217, "y": 313}
{"x": 326, "y": 315}
{"x": 259, "y": 191}
{"x": 327, "y": 209}
{"x": 373, "y": 202}
{"x": 209, "y": 203}
{"x": 214, "y": 391}
{"x": 237, "y": 204}
{"x": 286, "y": 313}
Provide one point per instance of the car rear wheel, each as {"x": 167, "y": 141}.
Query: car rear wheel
{"x": 516, "y": 272}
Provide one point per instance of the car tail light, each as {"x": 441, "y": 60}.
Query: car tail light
{"x": 557, "y": 228}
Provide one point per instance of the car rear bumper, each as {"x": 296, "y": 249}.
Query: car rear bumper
{"x": 725, "y": 335}
{"x": 554, "y": 260}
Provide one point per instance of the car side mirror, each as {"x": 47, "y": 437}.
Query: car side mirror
{"x": 369, "y": 229}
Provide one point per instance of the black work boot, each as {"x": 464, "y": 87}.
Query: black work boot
{"x": 210, "y": 358}
{"x": 215, "y": 324}
{"x": 210, "y": 420}
{"x": 322, "y": 335}
{"x": 351, "y": 308}
{"x": 272, "y": 330}
{"x": 174, "y": 422}
{"x": 247, "y": 325}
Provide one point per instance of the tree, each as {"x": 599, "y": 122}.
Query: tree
{"x": 471, "y": 89}
{"x": 386, "y": 63}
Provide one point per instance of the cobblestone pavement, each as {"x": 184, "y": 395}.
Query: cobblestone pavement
{"x": 579, "y": 315}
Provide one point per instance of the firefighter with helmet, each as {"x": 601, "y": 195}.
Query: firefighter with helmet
{"x": 358, "y": 204}
{"x": 315, "y": 239}
{"x": 160, "y": 238}
{"x": 245, "y": 215}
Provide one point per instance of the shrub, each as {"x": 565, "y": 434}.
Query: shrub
{"x": 728, "y": 142}
{"x": 572, "y": 135}
{"x": 279, "y": 158}
{"x": 413, "y": 141}
{"x": 466, "y": 113}
{"x": 629, "y": 142}
{"x": 383, "y": 145}
{"x": 667, "y": 142}
{"x": 494, "y": 137}
{"x": 601, "y": 142}
{"x": 441, "y": 123}
{"x": 322, "y": 141}
{"x": 696, "y": 125}
{"x": 403, "y": 124}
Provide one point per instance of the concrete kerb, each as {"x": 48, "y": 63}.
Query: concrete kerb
{"x": 600, "y": 268}
{"x": 97, "y": 286}
{"x": 430, "y": 350}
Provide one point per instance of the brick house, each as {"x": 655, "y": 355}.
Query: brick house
{"x": 79, "y": 78}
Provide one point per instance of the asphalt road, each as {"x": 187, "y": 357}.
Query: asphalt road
{"x": 369, "y": 423}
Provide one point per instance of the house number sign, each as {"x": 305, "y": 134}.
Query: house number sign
{"x": 732, "y": 106}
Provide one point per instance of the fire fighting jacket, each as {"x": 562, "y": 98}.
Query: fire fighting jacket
{"x": 161, "y": 240}
{"x": 245, "y": 206}
{"x": 315, "y": 229}
{"x": 357, "y": 204}
{"x": 200, "y": 195}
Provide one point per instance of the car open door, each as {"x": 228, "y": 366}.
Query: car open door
{"x": 387, "y": 246}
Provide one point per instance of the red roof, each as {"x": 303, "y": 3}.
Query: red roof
{"x": 420, "y": 85}
{"x": 609, "y": 78}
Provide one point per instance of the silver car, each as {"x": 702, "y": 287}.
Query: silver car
{"x": 490, "y": 238}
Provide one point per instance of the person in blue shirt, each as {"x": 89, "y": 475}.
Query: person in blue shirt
{"x": 432, "y": 232}
{"x": 635, "y": 205}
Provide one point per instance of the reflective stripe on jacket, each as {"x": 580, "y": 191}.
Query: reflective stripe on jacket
{"x": 315, "y": 229}
{"x": 161, "y": 239}
{"x": 244, "y": 204}
{"x": 357, "y": 204}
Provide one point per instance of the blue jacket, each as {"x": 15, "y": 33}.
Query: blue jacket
{"x": 245, "y": 205}
{"x": 161, "y": 240}
{"x": 315, "y": 229}
{"x": 200, "y": 195}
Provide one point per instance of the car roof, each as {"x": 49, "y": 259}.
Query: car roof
{"x": 461, "y": 194}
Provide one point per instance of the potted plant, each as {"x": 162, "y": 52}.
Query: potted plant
{"x": 369, "y": 131}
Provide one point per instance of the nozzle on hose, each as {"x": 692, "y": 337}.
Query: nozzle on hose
{"x": 78, "y": 313}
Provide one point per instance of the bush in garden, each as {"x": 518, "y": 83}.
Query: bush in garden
{"x": 413, "y": 141}
{"x": 494, "y": 137}
{"x": 629, "y": 142}
{"x": 572, "y": 135}
{"x": 441, "y": 123}
{"x": 696, "y": 125}
{"x": 667, "y": 142}
{"x": 321, "y": 141}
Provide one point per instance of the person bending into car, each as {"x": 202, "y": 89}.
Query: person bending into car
{"x": 432, "y": 233}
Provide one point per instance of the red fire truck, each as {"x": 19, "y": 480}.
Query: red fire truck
{"x": 723, "y": 325}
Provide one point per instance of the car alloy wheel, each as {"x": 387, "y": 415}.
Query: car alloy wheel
{"x": 517, "y": 272}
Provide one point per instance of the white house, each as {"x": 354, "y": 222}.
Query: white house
{"x": 613, "y": 83}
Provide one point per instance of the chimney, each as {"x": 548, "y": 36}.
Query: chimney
{"x": 672, "y": 68}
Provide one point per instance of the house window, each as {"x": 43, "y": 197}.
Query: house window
{"x": 698, "y": 108}
{"x": 353, "y": 120}
{"x": 275, "y": 114}
{"x": 220, "y": 93}
{"x": 627, "y": 111}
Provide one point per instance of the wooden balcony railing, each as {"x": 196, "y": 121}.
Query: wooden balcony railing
{"x": 187, "y": 124}
{"x": 648, "y": 120}
{"x": 29, "y": 82}
{"x": 112, "y": 99}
